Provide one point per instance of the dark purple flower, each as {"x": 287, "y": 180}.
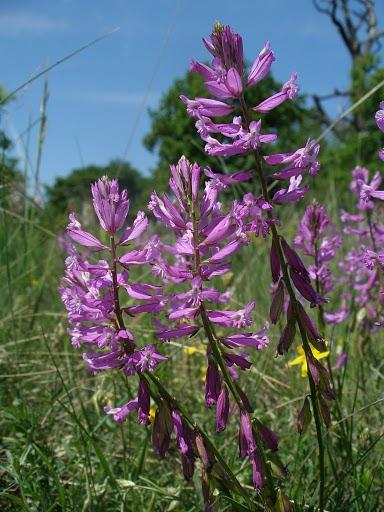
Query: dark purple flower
{"x": 162, "y": 429}
{"x": 212, "y": 383}
{"x": 222, "y": 409}
{"x": 143, "y": 401}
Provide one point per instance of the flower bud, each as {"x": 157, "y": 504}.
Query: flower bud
{"x": 143, "y": 402}
{"x": 222, "y": 409}
{"x": 274, "y": 262}
{"x": 324, "y": 410}
{"x": 205, "y": 454}
{"x": 304, "y": 417}
{"x": 313, "y": 334}
{"x": 212, "y": 383}
{"x": 288, "y": 334}
{"x": 268, "y": 437}
{"x": 162, "y": 429}
{"x": 277, "y": 303}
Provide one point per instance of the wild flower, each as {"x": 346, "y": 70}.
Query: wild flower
{"x": 92, "y": 290}
{"x": 363, "y": 264}
{"x": 319, "y": 241}
{"x": 302, "y": 360}
{"x": 226, "y": 80}
{"x": 206, "y": 237}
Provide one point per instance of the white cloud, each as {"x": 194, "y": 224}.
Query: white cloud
{"x": 23, "y": 23}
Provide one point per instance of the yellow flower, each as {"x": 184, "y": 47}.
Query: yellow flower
{"x": 198, "y": 348}
{"x": 152, "y": 412}
{"x": 301, "y": 359}
{"x": 203, "y": 373}
{"x": 34, "y": 281}
{"x": 190, "y": 350}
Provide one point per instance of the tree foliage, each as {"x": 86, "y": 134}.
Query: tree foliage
{"x": 72, "y": 191}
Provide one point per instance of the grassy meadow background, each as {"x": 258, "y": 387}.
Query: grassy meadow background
{"x": 58, "y": 450}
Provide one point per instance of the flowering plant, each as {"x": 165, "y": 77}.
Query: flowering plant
{"x": 183, "y": 299}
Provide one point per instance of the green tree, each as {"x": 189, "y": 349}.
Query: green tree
{"x": 11, "y": 178}
{"x": 355, "y": 140}
{"x": 72, "y": 192}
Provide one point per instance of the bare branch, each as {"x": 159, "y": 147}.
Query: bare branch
{"x": 356, "y": 22}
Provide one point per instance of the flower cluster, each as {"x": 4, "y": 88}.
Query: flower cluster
{"x": 363, "y": 264}
{"x": 225, "y": 80}
{"x": 318, "y": 240}
{"x": 90, "y": 293}
{"x": 207, "y": 235}
{"x": 91, "y": 290}
{"x": 185, "y": 296}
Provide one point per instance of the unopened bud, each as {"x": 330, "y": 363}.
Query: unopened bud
{"x": 304, "y": 417}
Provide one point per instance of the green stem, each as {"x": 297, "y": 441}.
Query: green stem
{"x": 293, "y": 299}
{"x": 164, "y": 393}
{"x": 119, "y": 316}
{"x": 174, "y": 404}
{"x": 217, "y": 355}
{"x": 320, "y": 310}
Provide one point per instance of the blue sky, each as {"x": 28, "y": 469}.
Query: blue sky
{"x": 98, "y": 102}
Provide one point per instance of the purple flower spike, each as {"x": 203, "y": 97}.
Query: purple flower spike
{"x": 110, "y": 205}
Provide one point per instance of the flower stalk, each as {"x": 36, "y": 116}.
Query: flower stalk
{"x": 294, "y": 302}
